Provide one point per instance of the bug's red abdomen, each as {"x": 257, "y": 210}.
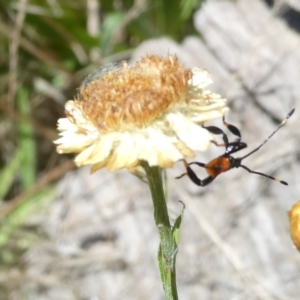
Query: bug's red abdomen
{"x": 218, "y": 165}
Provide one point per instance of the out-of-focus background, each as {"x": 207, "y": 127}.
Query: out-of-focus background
{"x": 66, "y": 234}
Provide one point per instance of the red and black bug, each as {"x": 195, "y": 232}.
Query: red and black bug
{"x": 226, "y": 162}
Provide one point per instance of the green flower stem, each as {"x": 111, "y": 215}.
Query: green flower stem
{"x": 167, "y": 249}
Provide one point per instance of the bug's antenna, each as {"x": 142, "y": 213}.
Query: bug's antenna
{"x": 265, "y": 175}
{"x": 280, "y": 125}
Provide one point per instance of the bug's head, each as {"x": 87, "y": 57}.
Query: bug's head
{"x": 236, "y": 146}
{"x": 242, "y": 145}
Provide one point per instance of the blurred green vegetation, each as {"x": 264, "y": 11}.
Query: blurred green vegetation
{"x": 46, "y": 49}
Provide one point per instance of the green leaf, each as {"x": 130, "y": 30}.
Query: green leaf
{"x": 187, "y": 7}
{"x": 26, "y": 139}
{"x": 176, "y": 227}
{"x": 111, "y": 26}
{"x": 8, "y": 173}
{"x": 21, "y": 213}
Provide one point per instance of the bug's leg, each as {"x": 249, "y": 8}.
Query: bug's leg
{"x": 191, "y": 174}
{"x": 233, "y": 129}
{"x": 180, "y": 176}
{"x": 197, "y": 180}
{"x": 206, "y": 180}
{"x": 217, "y": 144}
{"x": 216, "y": 130}
{"x": 186, "y": 165}
{"x": 197, "y": 163}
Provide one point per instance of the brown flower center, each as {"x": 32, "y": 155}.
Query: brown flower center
{"x": 134, "y": 95}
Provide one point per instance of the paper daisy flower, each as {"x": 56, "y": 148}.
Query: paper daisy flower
{"x": 150, "y": 111}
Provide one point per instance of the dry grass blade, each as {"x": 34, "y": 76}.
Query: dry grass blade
{"x": 48, "y": 178}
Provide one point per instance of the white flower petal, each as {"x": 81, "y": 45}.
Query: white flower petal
{"x": 193, "y": 135}
{"x": 65, "y": 124}
{"x": 156, "y": 148}
{"x": 200, "y": 78}
{"x": 75, "y": 111}
{"x": 97, "y": 152}
{"x": 145, "y": 147}
{"x": 125, "y": 154}
{"x": 164, "y": 147}
{"x": 72, "y": 142}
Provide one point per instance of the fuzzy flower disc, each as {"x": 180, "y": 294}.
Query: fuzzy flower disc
{"x": 150, "y": 111}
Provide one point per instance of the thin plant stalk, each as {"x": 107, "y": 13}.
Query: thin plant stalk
{"x": 167, "y": 248}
